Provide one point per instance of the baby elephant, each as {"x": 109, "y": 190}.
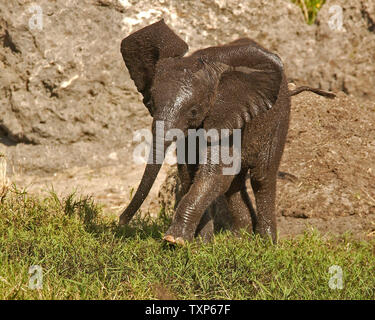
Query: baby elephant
{"x": 239, "y": 86}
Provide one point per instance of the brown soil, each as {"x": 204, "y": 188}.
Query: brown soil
{"x": 331, "y": 149}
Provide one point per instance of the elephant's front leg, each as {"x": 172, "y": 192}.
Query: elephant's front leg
{"x": 209, "y": 183}
{"x": 186, "y": 173}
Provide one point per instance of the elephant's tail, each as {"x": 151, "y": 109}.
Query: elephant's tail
{"x": 323, "y": 93}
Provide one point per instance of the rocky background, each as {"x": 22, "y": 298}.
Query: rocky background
{"x": 68, "y": 108}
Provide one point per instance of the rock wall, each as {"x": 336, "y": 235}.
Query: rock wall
{"x": 345, "y": 57}
{"x": 65, "y": 82}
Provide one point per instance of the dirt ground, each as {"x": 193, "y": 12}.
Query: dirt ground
{"x": 330, "y": 149}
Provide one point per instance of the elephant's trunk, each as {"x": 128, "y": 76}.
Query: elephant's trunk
{"x": 152, "y": 169}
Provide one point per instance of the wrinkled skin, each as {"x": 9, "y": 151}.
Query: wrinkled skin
{"x": 239, "y": 85}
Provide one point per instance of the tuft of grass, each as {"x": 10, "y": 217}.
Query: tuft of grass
{"x": 310, "y": 8}
{"x": 85, "y": 255}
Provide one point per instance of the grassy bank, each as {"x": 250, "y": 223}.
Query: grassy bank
{"x": 86, "y": 256}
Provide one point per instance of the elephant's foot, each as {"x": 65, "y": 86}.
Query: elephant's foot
{"x": 177, "y": 234}
{"x": 172, "y": 240}
{"x": 267, "y": 230}
{"x": 204, "y": 232}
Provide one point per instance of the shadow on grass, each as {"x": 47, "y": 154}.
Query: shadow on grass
{"x": 89, "y": 213}
{"x": 144, "y": 227}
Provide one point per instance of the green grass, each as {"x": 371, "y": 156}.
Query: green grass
{"x": 309, "y": 8}
{"x": 85, "y": 255}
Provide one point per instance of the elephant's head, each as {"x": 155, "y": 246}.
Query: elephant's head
{"x": 177, "y": 90}
{"x": 183, "y": 90}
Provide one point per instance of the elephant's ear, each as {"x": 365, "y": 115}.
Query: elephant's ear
{"x": 144, "y": 48}
{"x": 248, "y": 88}
{"x": 244, "y": 53}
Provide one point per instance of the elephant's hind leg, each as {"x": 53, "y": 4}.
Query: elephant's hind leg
{"x": 205, "y": 229}
{"x": 241, "y": 211}
{"x": 265, "y": 194}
